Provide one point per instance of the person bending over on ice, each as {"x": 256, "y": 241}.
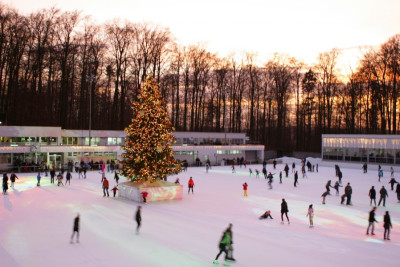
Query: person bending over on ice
{"x": 266, "y": 215}
{"x": 224, "y": 245}
{"x": 114, "y": 190}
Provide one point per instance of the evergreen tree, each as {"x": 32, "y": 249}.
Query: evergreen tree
{"x": 148, "y": 154}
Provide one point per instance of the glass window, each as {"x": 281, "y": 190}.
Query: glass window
{"x": 5, "y": 158}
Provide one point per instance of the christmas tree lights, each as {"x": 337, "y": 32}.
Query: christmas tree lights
{"x": 148, "y": 153}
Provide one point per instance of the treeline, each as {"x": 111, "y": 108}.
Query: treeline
{"x": 52, "y": 63}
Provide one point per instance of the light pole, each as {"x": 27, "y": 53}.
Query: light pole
{"x": 90, "y": 79}
{"x": 225, "y": 91}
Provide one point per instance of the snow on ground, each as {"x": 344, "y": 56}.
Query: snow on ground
{"x": 36, "y": 222}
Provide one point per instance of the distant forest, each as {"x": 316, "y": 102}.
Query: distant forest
{"x": 52, "y": 62}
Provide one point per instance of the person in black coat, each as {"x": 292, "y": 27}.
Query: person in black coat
{"x": 75, "y": 229}
{"x": 327, "y": 186}
{"x": 387, "y": 224}
{"x": 296, "y": 179}
{"x": 398, "y": 192}
{"x": 284, "y": 210}
{"x": 384, "y": 194}
{"x": 336, "y": 186}
{"x": 12, "y": 179}
{"x": 392, "y": 182}
{"x": 5, "y": 183}
{"x": 371, "y": 221}
{"x": 52, "y": 175}
{"x": 348, "y": 192}
{"x": 372, "y": 196}
{"x": 138, "y": 218}
{"x": 286, "y": 169}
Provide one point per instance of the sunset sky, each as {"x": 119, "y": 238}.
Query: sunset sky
{"x": 300, "y": 28}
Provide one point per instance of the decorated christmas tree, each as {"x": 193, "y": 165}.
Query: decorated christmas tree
{"x": 148, "y": 154}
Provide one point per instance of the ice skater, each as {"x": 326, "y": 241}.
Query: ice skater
{"x": 391, "y": 172}
{"x": 336, "y": 186}
{"x": 233, "y": 168}
{"x": 310, "y": 215}
{"x": 387, "y": 224}
{"x": 328, "y": 186}
{"x": 266, "y": 215}
{"x": 383, "y": 196}
{"x": 12, "y": 179}
{"x": 114, "y": 190}
{"x": 286, "y": 169}
{"x": 280, "y": 177}
{"x": 257, "y": 174}
{"x": 68, "y": 178}
{"x": 105, "y": 187}
{"x": 380, "y": 174}
{"x": 190, "y": 185}
{"x": 398, "y": 192}
{"x": 116, "y": 177}
{"x": 177, "y": 181}
{"x": 60, "y": 179}
{"x": 138, "y": 218}
{"x": 75, "y": 230}
{"x": 371, "y": 221}
{"x": 144, "y": 196}
{"x": 284, "y": 210}
{"x": 372, "y": 195}
{"x": 270, "y": 178}
{"x": 348, "y": 191}
{"x": 296, "y": 179}
{"x": 324, "y": 196}
{"x": 392, "y": 182}
{"x": 245, "y": 189}
{"x": 250, "y": 171}
{"x": 38, "y": 177}
{"x": 224, "y": 245}
{"x": 5, "y": 183}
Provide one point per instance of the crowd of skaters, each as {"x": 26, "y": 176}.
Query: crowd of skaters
{"x": 346, "y": 197}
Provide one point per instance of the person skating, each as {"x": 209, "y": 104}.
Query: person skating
{"x": 392, "y": 182}
{"x": 274, "y": 164}
{"x": 224, "y": 245}
{"x": 177, "y": 181}
{"x": 60, "y": 179}
{"x": 336, "y": 186}
{"x": 372, "y": 195}
{"x": 391, "y": 172}
{"x": 296, "y": 179}
{"x": 365, "y": 167}
{"x": 144, "y": 196}
{"x": 5, "y": 183}
{"x": 310, "y": 215}
{"x": 257, "y": 174}
{"x": 324, "y": 196}
{"x": 105, "y": 187}
{"x": 398, "y": 192}
{"x": 387, "y": 224}
{"x": 264, "y": 171}
{"x": 340, "y": 176}
{"x": 383, "y": 196}
{"x": 328, "y": 186}
{"x": 348, "y": 191}
{"x": 284, "y": 210}
{"x": 233, "y": 168}
{"x": 270, "y": 178}
{"x": 250, "y": 171}
{"x": 286, "y": 169}
{"x": 75, "y": 229}
{"x": 138, "y": 218}
{"x": 190, "y": 185}
{"x": 245, "y": 189}
{"x": 371, "y": 221}
{"x": 12, "y": 179}
{"x": 68, "y": 178}
{"x": 380, "y": 174}
{"x": 38, "y": 177}
{"x": 114, "y": 190}
{"x": 266, "y": 215}
{"x": 116, "y": 177}
{"x": 293, "y": 167}
{"x": 52, "y": 175}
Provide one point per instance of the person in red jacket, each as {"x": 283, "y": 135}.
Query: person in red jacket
{"x": 114, "y": 190}
{"x": 245, "y": 189}
{"x": 144, "y": 195}
{"x": 191, "y": 185}
{"x": 105, "y": 186}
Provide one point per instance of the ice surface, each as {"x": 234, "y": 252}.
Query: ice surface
{"x": 36, "y": 222}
